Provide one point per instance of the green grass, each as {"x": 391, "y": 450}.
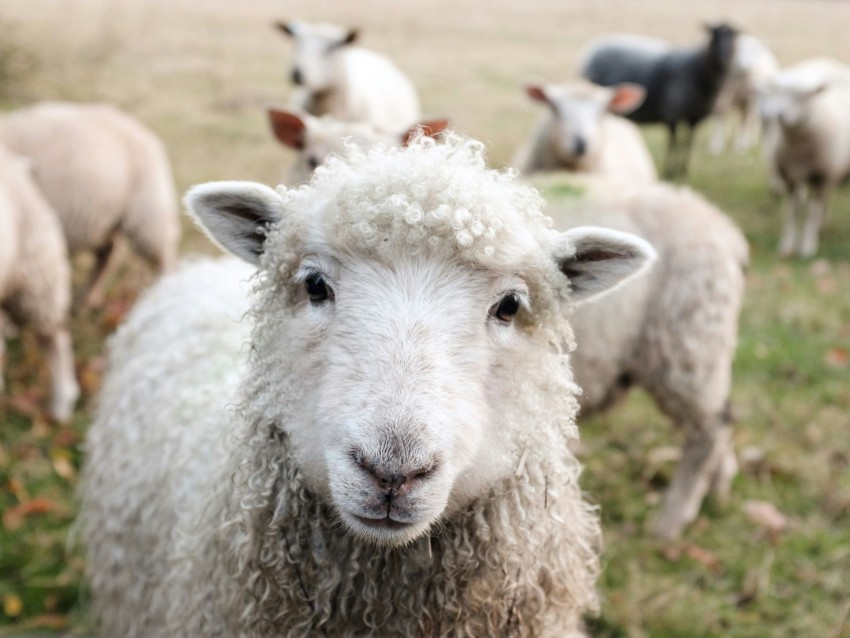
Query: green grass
{"x": 200, "y": 75}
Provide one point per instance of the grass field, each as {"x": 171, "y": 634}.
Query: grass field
{"x": 200, "y": 73}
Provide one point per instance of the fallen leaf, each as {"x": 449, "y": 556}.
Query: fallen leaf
{"x": 62, "y": 465}
{"x": 766, "y": 515}
{"x": 46, "y": 621}
{"x": 704, "y": 557}
{"x": 12, "y": 605}
{"x": 837, "y": 358}
{"x": 14, "y": 517}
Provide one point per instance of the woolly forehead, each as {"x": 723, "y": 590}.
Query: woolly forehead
{"x": 431, "y": 199}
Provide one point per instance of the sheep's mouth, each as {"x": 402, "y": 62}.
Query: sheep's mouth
{"x": 381, "y": 523}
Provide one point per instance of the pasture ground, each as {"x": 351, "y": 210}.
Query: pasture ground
{"x": 200, "y": 73}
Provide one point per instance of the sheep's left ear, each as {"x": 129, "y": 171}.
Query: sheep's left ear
{"x": 235, "y": 215}
{"x": 597, "y": 260}
{"x": 626, "y": 97}
{"x": 427, "y": 128}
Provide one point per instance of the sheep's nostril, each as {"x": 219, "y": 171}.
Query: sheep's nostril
{"x": 392, "y": 481}
{"x": 297, "y": 77}
{"x": 580, "y": 146}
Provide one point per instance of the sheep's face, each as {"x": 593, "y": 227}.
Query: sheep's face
{"x": 788, "y": 103}
{"x": 398, "y": 428}
{"x": 407, "y": 332}
{"x": 316, "y": 48}
{"x": 577, "y": 111}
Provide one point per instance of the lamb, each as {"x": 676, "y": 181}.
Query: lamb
{"x": 348, "y": 82}
{"x": 104, "y": 175}
{"x": 35, "y": 278}
{"x": 389, "y": 455}
{"x": 753, "y": 66}
{"x": 672, "y": 332}
{"x": 579, "y": 133}
{"x": 681, "y": 84}
{"x": 810, "y": 105}
{"x": 315, "y": 138}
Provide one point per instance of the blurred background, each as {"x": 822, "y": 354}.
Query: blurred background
{"x": 200, "y": 74}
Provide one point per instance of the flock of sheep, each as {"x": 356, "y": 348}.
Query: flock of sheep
{"x": 363, "y": 422}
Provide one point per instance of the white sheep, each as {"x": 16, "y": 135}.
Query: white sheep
{"x": 35, "y": 278}
{"x": 672, "y": 332}
{"x": 581, "y": 133}
{"x": 389, "y": 453}
{"x": 316, "y": 138}
{"x": 736, "y": 109}
{"x": 105, "y": 175}
{"x": 348, "y": 82}
{"x": 810, "y": 106}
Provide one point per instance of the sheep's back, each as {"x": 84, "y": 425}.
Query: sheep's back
{"x": 87, "y": 160}
{"x": 157, "y": 438}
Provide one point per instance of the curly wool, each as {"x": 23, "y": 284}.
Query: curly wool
{"x": 261, "y": 554}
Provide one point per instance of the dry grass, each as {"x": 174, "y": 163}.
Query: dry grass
{"x": 200, "y": 73}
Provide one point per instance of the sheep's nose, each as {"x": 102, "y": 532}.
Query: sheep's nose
{"x": 395, "y": 482}
{"x": 297, "y": 78}
{"x": 580, "y": 146}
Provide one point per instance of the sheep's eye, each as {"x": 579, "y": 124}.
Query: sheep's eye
{"x": 316, "y": 288}
{"x": 313, "y": 163}
{"x": 507, "y": 307}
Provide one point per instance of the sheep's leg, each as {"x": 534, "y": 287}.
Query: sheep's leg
{"x": 670, "y": 160}
{"x": 91, "y": 294}
{"x": 685, "y": 154}
{"x": 2, "y": 350}
{"x": 64, "y": 390}
{"x": 818, "y": 199}
{"x": 727, "y": 468}
{"x": 704, "y": 451}
{"x": 719, "y": 133}
{"x": 749, "y": 129}
{"x": 794, "y": 204}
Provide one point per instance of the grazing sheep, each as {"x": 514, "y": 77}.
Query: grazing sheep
{"x": 810, "y": 105}
{"x": 681, "y": 84}
{"x": 35, "y": 279}
{"x": 579, "y": 133}
{"x": 672, "y": 332}
{"x": 315, "y": 138}
{"x": 104, "y": 174}
{"x": 390, "y": 453}
{"x": 753, "y": 65}
{"x": 347, "y": 82}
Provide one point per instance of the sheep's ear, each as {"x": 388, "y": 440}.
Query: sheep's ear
{"x": 807, "y": 93}
{"x": 235, "y": 215}
{"x": 289, "y": 128}
{"x": 287, "y": 27}
{"x": 626, "y": 97}
{"x": 537, "y": 93}
{"x": 600, "y": 259}
{"x": 428, "y": 128}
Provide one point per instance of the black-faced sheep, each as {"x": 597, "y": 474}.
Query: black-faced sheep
{"x": 381, "y": 447}
{"x": 672, "y": 332}
{"x": 681, "y": 84}
{"x": 35, "y": 278}
{"x": 104, "y": 174}
{"x": 582, "y": 133}
{"x": 333, "y": 77}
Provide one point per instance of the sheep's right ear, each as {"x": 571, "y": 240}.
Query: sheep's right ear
{"x": 235, "y": 215}
{"x": 537, "y": 93}
{"x": 626, "y": 97}
{"x": 288, "y": 128}
{"x": 287, "y": 27}
{"x": 597, "y": 260}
